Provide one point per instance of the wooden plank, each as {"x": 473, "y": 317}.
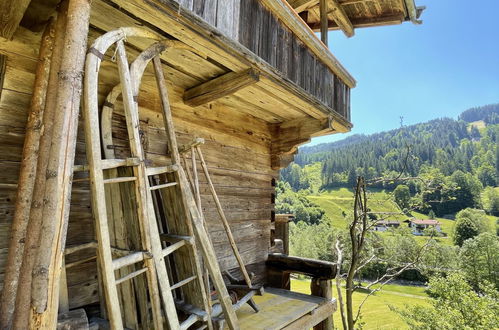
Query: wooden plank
{"x": 219, "y": 87}
{"x": 320, "y": 313}
{"x": 11, "y": 13}
{"x": 278, "y": 308}
{"x": 291, "y": 19}
{"x": 225, "y": 18}
{"x": 212, "y": 44}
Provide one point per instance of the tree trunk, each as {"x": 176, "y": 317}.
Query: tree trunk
{"x": 59, "y": 173}
{"x": 26, "y": 180}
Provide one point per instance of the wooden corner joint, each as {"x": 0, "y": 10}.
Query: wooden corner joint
{"x": 289, "y": 135}
{"x": 221, "y": 86}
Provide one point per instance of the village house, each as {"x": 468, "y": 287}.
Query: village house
{"x": 419, "y": 226}
{"x": 384, "y": 225}
{"x": 140, "y": 144}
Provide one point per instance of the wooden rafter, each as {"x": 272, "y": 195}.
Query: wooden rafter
{"x": 11, "y": 13}
{"x": 301, "y": 5}
{"x": 365, "y": 22}
{"x": 341, "y": 18}
{"x": 335, "y": 9}
{"x": 219, "y": 87}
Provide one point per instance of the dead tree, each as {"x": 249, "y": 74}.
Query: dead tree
{"x": 359, "y": 257}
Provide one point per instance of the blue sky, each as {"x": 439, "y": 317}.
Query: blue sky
{"x": 438, "y": 69}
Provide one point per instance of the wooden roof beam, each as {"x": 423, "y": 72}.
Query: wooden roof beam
{"x": 365, "y": 22}
{"x": 302, "y": 5}
{"x": 219, "y": 87}
{"x": 341, "y": 18}
{"x": 11, "y": 13}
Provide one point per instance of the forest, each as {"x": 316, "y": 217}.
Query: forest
{"x": 443, "y": 169}
{"x": 459, "y": 158}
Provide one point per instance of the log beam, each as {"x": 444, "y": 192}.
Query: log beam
{"x": 341, "y": 18}
{"x": 219, "y": 87}
{"x": 317, "y": 269}
{"x": 27, "y": 175}
{"x": 57, "y": 198}
{"x": 23, "y": 297}
{"x": 11, "y": 13}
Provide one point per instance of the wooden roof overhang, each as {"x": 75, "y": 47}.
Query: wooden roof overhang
{"x": 224, "y": 70}
{"x": 347, "y": 15}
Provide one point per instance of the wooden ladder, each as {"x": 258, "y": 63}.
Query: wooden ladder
{"x": 152, "y": 253}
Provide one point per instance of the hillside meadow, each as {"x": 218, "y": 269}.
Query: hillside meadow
{"x": 338, "y": 203}
{"x": 376, "y": 311}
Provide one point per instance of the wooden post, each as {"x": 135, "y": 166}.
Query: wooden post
{"x": 324, "y": 22}
{"x": 23, "y": 297}
{"x": 322, "y": 288}
{"x": 27, "y": 175}
{"x": 282, "y": 229}
{"x": 59, "y": 173}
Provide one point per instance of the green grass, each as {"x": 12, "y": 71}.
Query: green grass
{"x": 376, "y": 313}
{"x": 339, "y": 202}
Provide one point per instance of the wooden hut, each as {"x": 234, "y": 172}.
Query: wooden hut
{"x": 94, "y": 200}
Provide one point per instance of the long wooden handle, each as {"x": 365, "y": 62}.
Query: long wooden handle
{"x": 224, "y": 219}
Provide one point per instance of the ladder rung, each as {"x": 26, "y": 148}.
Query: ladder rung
{"x": 114, "y": 163}
{"x": 130, "y": 259}
{"x": 183, "y": 282}
{"x": 120, "y": 179}
{"x": 190, "y": 321}
{"x": 170, "y": 238}
{"x": 164, "y": 185}
{"x": 109, "y": 163}
{"x": 161, "y": 169}
{"x": 172, "y": 248}
{"x": 131, "y": 275}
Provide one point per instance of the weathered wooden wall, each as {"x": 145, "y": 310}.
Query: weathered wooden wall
{"x": 261, "y": 32}
{"x": 237, "y": 151}
{"x": 255, "y": 27}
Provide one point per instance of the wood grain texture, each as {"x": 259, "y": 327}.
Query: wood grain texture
{"x": 11, "y": 13}
{"x": 219, "y": 87}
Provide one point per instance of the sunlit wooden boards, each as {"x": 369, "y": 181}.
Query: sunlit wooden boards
{"x": 231, "y": 55}
{"x": 282, "y": 309}
{"x": 237, "y": 151}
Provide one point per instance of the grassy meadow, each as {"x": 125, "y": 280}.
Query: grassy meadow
{"x": 377, "y": 314}
{"x": 339, "y": 202}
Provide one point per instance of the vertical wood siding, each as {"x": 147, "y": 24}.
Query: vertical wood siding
{"x": 255, "y": 27}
